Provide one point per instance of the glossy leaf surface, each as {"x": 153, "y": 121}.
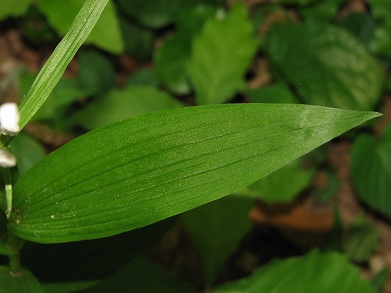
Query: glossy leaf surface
{"x": 139, "y": 171}
{"x": 328, "y": 66}
{"x": 312, "y": 273}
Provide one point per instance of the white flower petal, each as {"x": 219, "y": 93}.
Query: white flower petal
{"x": 9, "y": 119}
{"x": 7, "y": 159}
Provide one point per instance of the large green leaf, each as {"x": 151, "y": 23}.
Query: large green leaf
{"x": 139, "y": 171}
{"x": 24, "y": 281}
{"x": 312, "y": 273}
{"x": 122, "y": 104}
{"x": 371, "y": 170}
{"x": 106, "y": 34}
{"x": 216, "y": 230}
{"x": 221, "y": 55}
{"x": 323, "y": 66}
{"x": 8, "y": 8}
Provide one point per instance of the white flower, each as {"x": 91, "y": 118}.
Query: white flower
{"x": 9, "y": 119}
{"x": 7, "y": 159}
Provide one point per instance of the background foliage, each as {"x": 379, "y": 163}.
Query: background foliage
{"x": 147, "y": 56}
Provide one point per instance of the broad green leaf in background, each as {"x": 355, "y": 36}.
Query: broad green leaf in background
{"x": 106, "y": 34}
{"x": 370, "y": 166}
{"x": 143, "y": 76}
{"x": 22, "y": 282}
{"x": 138, "y": 40}
{"x": 55, "y": 111}
{"x": 96, "y": 72}
{"x": 276, "y": 93}
{"x": 313, "y": 273}
{"x": 35, "y": 29}
{"x": 8, "y": 8}
{"x": 142, "y": 276}
{"x": 216, "y": 230}
{"x": 125, "y": 103}
{"x": 53, "y": 69}
{"x": 139, "y": 171}
{"x": 63, "y": 95}
{"x": 170, "y": 62}
{"x": 323, "y": 10}
{"x": 381, "y": 11}
{"x": 361, "y": 25}
{"x": 362, "y": 239}
{"x": 28, "y": 152}
{"x": 221, "y": 55}
{"x": 328, "y": 66}
{"x": 154, "y": 14}
{"x": 171, "y": 58}
{"x": 282, "y": 185}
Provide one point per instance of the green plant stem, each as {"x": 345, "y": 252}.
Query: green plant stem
{"x": 14, "y": 243}
{"x": 8, "y": 190}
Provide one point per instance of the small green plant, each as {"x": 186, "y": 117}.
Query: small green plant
{"x": 122, "y": 183}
